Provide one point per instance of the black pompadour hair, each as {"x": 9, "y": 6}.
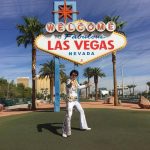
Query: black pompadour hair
{"x": 74, "y": 71}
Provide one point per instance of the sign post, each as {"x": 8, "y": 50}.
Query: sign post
{"x": 57, "y": 70}
{"x": 57, "y": 5}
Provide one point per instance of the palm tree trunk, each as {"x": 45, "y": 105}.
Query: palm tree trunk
{"x": 96, "y": 95}
{"x": 130, "y": 91}
{"x": 133, "y": 91}
{"x": 115, "y": 79}
{"x": 51, "y": 89}
{"x": 86, "y": 94}
{"x": 88, "y": 89}
{"x": 33, "y": 76}
{"x": 96, "y": 82}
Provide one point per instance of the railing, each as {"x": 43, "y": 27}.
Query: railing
{"x": 130, "y": 98}
{"x": 12, "y": 102}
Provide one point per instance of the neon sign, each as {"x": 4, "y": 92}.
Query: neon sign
{"x": 80, "y": 41}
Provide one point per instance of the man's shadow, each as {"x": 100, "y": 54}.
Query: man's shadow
{"x": 52, "y": 127}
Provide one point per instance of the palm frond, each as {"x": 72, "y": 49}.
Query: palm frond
{"x": 29, "y": 30}
{"x": 119, "y": 24}
{"x": 48, "y": 69}
{"x": 98, "y": 72}
{"x": 87, "y": 72}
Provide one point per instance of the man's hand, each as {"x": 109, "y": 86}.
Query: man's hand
{"x": 90, "y": 84}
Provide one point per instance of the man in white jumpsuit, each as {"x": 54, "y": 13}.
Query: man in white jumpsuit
{"x": 72, "y": 87}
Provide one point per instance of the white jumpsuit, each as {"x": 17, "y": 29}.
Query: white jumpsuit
{"x": 72, "y": 97}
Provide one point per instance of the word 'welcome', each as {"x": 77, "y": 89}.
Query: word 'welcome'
{"x": 80, "y": 27}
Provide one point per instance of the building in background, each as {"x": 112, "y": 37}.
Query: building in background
{"x": 23, "y": 80}
{"x": 43, "y": 85}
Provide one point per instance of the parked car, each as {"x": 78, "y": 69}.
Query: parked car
{"x": 103, "y": 91}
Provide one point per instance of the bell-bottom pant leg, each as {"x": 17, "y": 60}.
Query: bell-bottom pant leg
{"x": 67, "y": 121}
{"x": 83, "y": 122}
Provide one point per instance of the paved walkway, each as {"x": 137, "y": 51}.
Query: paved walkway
{"x": 10, "y": 113}
{"x": 99, "y": 104}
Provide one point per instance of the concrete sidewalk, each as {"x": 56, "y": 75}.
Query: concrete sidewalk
{"x": 99, "y": 104}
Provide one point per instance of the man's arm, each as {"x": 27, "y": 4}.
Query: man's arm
{"x": 82, "y": 86}
{"x": 68, "y": 84}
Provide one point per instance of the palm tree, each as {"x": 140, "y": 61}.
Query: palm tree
{"x": 97, "y": 72}
{"x": 86, "y": 82}
{"x": 63, "y": 80}
{"x": 119, "y": 27}
{"x": 129, "y": 86}
{"x": 148, "y": 84}
{"x": 119, "y": 24}
{"x": 133, "y": 87}
{"x": 88, "y": 74}
{"x": 31, "y": 28}
{"x": 63, "y": 77}
{"x": 48, "y": 70}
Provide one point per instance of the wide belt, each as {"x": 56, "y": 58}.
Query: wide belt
{"x": 72, "y": 98}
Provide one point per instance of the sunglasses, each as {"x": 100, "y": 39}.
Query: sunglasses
{"x": 75, "y": 75}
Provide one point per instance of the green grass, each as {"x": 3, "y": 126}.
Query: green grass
{"x": 111, "y": 130}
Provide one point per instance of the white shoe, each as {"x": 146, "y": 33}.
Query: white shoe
{"x": 88, "y": 129}
{"x": 64, "y": 135}
{"x": 69, "y": 134}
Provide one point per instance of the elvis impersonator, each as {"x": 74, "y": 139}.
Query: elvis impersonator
{"x": 72, "y": 86}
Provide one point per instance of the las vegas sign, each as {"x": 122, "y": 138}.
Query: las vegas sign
{"x": 81, "y": 41}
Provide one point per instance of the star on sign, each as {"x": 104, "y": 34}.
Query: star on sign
{"x": 65, "y": 11}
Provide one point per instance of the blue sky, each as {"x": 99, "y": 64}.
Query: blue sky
{"x": 16, "y": 61}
